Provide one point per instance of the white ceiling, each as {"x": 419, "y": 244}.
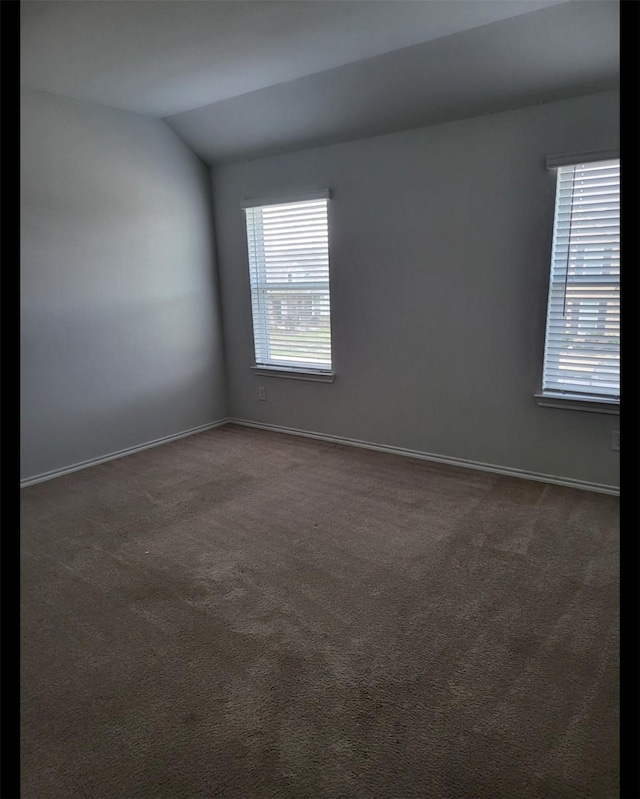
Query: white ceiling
{"x": 239, "y": 79}
{"x": 163, "y": 57}
{"x": 552, "y": 54}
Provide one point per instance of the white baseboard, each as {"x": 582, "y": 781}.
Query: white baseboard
{"x": 40, "y": 478}
{"x": 409, "y": 453}
{"x": 427, "y": 456}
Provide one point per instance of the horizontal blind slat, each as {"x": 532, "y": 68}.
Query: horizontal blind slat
{"x": 289, "y": 271}
{"x": 583, "y": 311}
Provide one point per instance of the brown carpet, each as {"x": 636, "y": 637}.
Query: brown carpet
{"x": 248, "y": 614}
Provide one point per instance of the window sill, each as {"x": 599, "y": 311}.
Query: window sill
{"x": 578, "y": 403}
{"x": 295, "y": 373}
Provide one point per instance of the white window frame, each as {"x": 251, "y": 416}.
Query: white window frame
{"x": 582, "y": 398}
{"x": 304, "y": 369}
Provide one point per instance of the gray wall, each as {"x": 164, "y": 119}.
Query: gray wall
{"x": 440, "y": 243}
{"x": 121, "y": 335}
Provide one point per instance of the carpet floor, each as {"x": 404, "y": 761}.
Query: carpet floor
{"x": 249, "y": 614}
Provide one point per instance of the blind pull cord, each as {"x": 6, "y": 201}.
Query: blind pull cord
{"x": 566, "y": 270}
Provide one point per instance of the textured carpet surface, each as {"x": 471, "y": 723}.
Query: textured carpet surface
{"x": 248, "y": 614}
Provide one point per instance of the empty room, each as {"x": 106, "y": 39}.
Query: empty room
{"x": 320, "y": 389}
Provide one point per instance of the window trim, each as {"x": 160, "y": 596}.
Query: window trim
{"x": 577, "y": 402}
{"x": 569, "y": 159}
{"x": 295, "y": 371}
{"x": 567, "y": 400}
{"x": 285, "y": 199}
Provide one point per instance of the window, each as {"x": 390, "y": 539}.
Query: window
{"x": 289, "y": 274}
{"x": 582, "y": 345}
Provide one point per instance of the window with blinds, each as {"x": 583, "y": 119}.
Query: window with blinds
{"x": 289, "y": 273}
{"x": 582, "y": 345}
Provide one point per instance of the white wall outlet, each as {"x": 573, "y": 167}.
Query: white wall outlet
{"x": 262, "y": 393}
{"x": 615, "y": 440}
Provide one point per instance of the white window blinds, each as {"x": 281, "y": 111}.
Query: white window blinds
{"x": 289, "y": 272}
{"x": 582, "y": 346}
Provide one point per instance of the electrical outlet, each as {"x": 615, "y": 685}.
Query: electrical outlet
{"x": 615, "y": 440}
{"x": 262, "y": 393}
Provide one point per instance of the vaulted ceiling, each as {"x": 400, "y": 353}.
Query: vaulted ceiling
{"x": 243, "y": 78}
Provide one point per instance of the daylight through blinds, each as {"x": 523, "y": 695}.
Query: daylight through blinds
{"x": 582, "y": 346}
{"x": 289, "y": 271}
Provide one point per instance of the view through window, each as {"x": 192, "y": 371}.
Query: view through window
{"x": 289, "y": 273}
{"x": 582, "y": 346}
